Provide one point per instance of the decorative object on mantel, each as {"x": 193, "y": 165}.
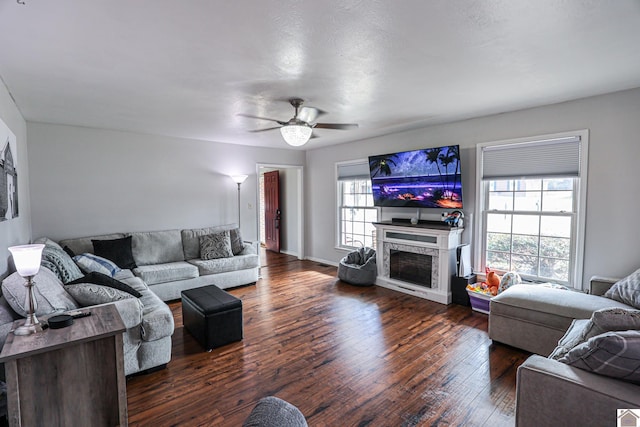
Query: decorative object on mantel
{"x": 239, "y": 179}
{"x": 27, "y": 261}
{"x": 455, "y": 219}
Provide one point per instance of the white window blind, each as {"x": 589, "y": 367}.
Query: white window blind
{"x": 547, "y": 158}
{"x": 351, "y": 171}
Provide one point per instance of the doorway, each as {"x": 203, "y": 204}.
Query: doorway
{"x": 291, "y": 221}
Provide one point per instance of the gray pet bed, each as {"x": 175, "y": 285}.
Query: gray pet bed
{"x": 359, "y": 267}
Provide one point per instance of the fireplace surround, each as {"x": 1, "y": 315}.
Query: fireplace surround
{"x": 417, "y": 259}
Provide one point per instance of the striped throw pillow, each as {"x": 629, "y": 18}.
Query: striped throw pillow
{"x": 89, "y": 263}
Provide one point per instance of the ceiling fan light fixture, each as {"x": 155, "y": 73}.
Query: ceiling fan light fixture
{"x": 296, "y": 134}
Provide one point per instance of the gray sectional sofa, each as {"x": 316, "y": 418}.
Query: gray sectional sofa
{"x": 169, "y": 261}
{"x": 583, "y": 389}
{"x": 534, "y": 318}
{"x": 166, "y": 263}
{"x": 149, "y": 321}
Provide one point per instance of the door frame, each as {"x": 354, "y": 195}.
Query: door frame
{"x": 300, "y": 200}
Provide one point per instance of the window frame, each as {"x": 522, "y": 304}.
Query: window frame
{"x": 340, "y": 182}
{"x": 578, "y": 215}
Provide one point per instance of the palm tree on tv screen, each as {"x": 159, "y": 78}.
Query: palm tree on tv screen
{"x": 433, "y": 156}
{"x": 382, "y": 165}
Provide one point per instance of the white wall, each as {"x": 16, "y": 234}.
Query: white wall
{"x": 91, "y": 181}
{"x": 611, "y": 243}
{"x": 291, "y": 215}
{"x": 15, "y": 231}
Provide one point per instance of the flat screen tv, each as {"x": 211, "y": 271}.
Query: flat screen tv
{"x": 427, "y": 178}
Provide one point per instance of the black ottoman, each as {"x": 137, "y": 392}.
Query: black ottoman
{"x": 212, "y": 316}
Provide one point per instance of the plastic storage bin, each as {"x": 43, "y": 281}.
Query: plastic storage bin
{"x": 479, "y": 302}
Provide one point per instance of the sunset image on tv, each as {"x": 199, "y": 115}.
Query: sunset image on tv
{"x": 427, "y": 178}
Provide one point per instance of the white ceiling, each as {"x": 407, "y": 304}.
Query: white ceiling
{"x": 187, "y": 68}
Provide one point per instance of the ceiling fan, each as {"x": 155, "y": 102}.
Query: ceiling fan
{"x": 297, "y": 131}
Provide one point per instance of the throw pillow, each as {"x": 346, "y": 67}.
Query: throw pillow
{"x": 626, "y": 290}
{"x": 89, "y": 294}
{"x": 116, "y": 250}
{"x": 90, "y": 263}
{"x": 603, "y": 320}
{"x": 50, "y": 294}
{"x": 98, "y": 278}
{"x": 69, "y": 251}
{"x": 613, "y": 354}
{"x": 237, "y": 245}
{"x": 214, "y": 246}
{"x": 60, "y": 263}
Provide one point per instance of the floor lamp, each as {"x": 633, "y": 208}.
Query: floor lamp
{"x": 239, "y": 179}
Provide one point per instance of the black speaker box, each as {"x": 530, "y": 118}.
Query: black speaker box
{"x": 459, "y": 293}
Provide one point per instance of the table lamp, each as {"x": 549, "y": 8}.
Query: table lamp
{"x": 27, "y": 261}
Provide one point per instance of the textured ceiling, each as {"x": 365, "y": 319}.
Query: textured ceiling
{"x": 187, "y": 68}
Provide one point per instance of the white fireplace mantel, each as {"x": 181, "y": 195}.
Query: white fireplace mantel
{"x": 436, "y": 240}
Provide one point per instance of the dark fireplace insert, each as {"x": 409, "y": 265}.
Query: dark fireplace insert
{"x": 410, "y": 267}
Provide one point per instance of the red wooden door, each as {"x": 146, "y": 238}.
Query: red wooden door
{"x": 272, "y": 212}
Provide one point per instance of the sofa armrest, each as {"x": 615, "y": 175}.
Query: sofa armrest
{"x": 598, "y": 285}
{"x": 551, "y": 393}
{"x": 250, "y": 248}
{"x": 130, "y": 309}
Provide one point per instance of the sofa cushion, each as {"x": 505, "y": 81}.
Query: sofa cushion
{"x": 84, "y": 244}
{"x": 604, "y": 320}
{"x": 168, "y": 272}
{"x": 59, "y": 262}
{"x": 217, "y": 245}
{"x": 613, "y": 354}
{"x": 90, "y": 263}
{"x": 191, "y": 239}
{"x": 157, "y": 247}
{"x": 222, "y": 265}
{"x": 554, "y": 308}
{"x": 237, "y": 245}
{"x": 88, "y": 294}
{"x": 626, "y": 290}
{"x": 97, "y": 278}
{"x": 117, "y": 250}
{"x": 157, "y": 319}
{"x": 48, "y": 290}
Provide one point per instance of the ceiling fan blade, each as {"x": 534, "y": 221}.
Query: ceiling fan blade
{"x": 262, "y": 130}
{"x": 260, "y": 118}
{"x": 309, "y": 114}
{"x": 342, "y": 126}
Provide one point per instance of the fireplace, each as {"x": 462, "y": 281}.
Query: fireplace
{"x": 410, "y": 267}
{"x": 417, "y": 259}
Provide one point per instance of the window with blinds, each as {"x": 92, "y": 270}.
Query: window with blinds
{"x": 356, "y": 213}
{"x": 531, "y": 199}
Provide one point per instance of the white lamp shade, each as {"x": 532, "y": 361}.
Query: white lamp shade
{"x": 27, "y": 258}
{"x": 239, "y": 179}
{"x": 296, "y": 135}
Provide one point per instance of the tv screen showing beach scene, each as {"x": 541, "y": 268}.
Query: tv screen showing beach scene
{"x": 426, "y": 178}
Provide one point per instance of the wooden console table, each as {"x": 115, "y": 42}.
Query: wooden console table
{"x": 69, "y": 376}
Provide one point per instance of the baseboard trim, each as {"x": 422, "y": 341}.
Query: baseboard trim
{"x": 322, "y": 261}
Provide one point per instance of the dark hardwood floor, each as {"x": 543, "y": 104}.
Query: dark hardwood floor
{"x": 345, "y": 355}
